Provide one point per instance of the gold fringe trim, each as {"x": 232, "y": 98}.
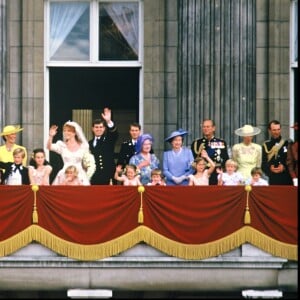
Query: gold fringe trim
{"x": 16, "y": 242}
{"x": 147, "y": 235}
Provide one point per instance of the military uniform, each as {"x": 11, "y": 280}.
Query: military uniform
{"x": 274, "y": 152}
{"x": 103, "y": 152}
{"x": 217, "y": 151}
{"x": 127, "y": 150}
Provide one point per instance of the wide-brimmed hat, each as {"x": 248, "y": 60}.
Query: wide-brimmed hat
{"x": 295, "y": 126}
{"x": 10, "y": 129}
{"x": 247, "y": 130}
{"x": 179, "y": 132}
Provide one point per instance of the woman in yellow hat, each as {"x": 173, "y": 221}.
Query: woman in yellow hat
{"x": 9, "y": 135}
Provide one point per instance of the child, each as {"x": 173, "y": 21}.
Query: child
{"x": 257, "y": 179}
{"x": 129, "y": 177}
{"x": 71, "y": 176}
{"x": 39, "y": 168}
{"x": 202, "y": 173}
{"x": 231, "y": 176}
{"x": 156, "y": 177}
{"x": 15, "y": 173}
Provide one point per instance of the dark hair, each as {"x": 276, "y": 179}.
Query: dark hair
{"x": 135, "y": 124}
{"x": 275, "y": 122}
{"x": 99, "y": 121}
{"x": 32, "y": 161}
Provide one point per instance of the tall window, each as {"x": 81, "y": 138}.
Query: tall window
{"x": 94, "y": 31}
{"x": 294, "y": 97}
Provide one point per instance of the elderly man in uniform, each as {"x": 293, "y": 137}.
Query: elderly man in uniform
{"x": 216, "y": 148}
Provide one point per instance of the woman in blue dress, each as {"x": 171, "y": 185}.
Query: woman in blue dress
{"x": 143, "y": 159}
{"x": 177, "y": 162}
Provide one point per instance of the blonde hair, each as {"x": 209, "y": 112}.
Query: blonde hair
{"x": 156, "y": 172}
{"x": 71, "y": 169}
{"x": 231, "y": 162}
{"x": 198, "y": 160}
{"x": 19, "y": 151}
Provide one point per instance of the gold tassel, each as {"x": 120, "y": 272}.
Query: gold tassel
{"x": 141, "y": 190}
{"x": 247, "y": 217}
{"x": 141, "y": 216}
{"x": 35, "y": 217}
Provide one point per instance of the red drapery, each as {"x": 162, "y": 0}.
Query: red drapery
{"x": 92, "y": 222}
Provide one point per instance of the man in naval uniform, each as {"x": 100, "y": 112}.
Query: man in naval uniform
{"x": 102, "y": 147}
{"x": 128, "y": 147}
{"x": 216, "y": 148}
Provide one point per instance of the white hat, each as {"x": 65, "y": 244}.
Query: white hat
{"x": 247, "y": 130}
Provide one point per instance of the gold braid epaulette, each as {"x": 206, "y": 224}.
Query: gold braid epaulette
{"x": 274, "y": 150}
{"x": 201, "y": 147}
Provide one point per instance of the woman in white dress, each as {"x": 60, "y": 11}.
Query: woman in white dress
{"x": 247, "y": 154}
{"x": 74, "y": 150}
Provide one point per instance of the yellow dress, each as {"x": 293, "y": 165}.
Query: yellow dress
{"x": 7, "y": 156}
{"x": 247, "y": 157}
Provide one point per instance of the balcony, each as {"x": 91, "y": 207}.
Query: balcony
{"x": 167, "y": 242}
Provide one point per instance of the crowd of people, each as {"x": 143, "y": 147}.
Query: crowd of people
{"x": 205, "y": 162}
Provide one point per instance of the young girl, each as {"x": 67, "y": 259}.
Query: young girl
{"x": 71, "y": 176}
{"x": 156, "y": 178}
{"x": 39, "y": 168}
{"x": 231, "y": 176}
{"x": 257, "y": 179}
{"x": 201, "y": 177}
{"x": 130, "y": 176}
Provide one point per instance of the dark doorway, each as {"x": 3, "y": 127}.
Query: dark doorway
{"x": 78, "y": 88}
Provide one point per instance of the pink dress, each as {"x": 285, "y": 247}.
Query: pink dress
{"x": 203, "y": 180}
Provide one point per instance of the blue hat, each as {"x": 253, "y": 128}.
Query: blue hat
{"x": 140, "y": 141}
{"x": 179, "y": 132}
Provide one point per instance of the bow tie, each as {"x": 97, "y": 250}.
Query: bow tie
{"x": 17, "y": 167}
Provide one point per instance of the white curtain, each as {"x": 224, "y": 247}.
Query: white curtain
{"x": 126, "y": 18}
{"x": 63, "y": 17}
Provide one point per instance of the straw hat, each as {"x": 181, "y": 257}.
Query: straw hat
{"x": 247, "y": 130}
{"x": 10, "y": 129}
{"x": 179, "y": 132}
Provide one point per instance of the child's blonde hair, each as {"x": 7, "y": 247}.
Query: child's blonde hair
{"x": 19, "y": 151}
{"x": 130, "y": 166}
{"x": 156, "y": 172}
{"x": 231, "y": 162}
{"x": 71, "y": 169}
{"x": 197, "y": 160}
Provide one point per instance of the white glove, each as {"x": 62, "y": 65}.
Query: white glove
{"x": 295, "y": 181}
{"x": 176, "y": 179}
{"x": 179, "y": 179}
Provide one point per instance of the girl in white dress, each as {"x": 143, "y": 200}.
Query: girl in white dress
{"x": 39, "y": 168}
{"x": 74, "y": 150}
{"x": 203, "y": 170}
{"x": 231, "y": 176}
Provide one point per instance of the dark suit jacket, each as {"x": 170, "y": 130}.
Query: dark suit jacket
{"x": 104, "y": 156}
{"x": 7, "y": 166}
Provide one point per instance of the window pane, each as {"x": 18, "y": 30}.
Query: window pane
{"x": 69, "y": 31}
{"x": 118, "y": 31}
